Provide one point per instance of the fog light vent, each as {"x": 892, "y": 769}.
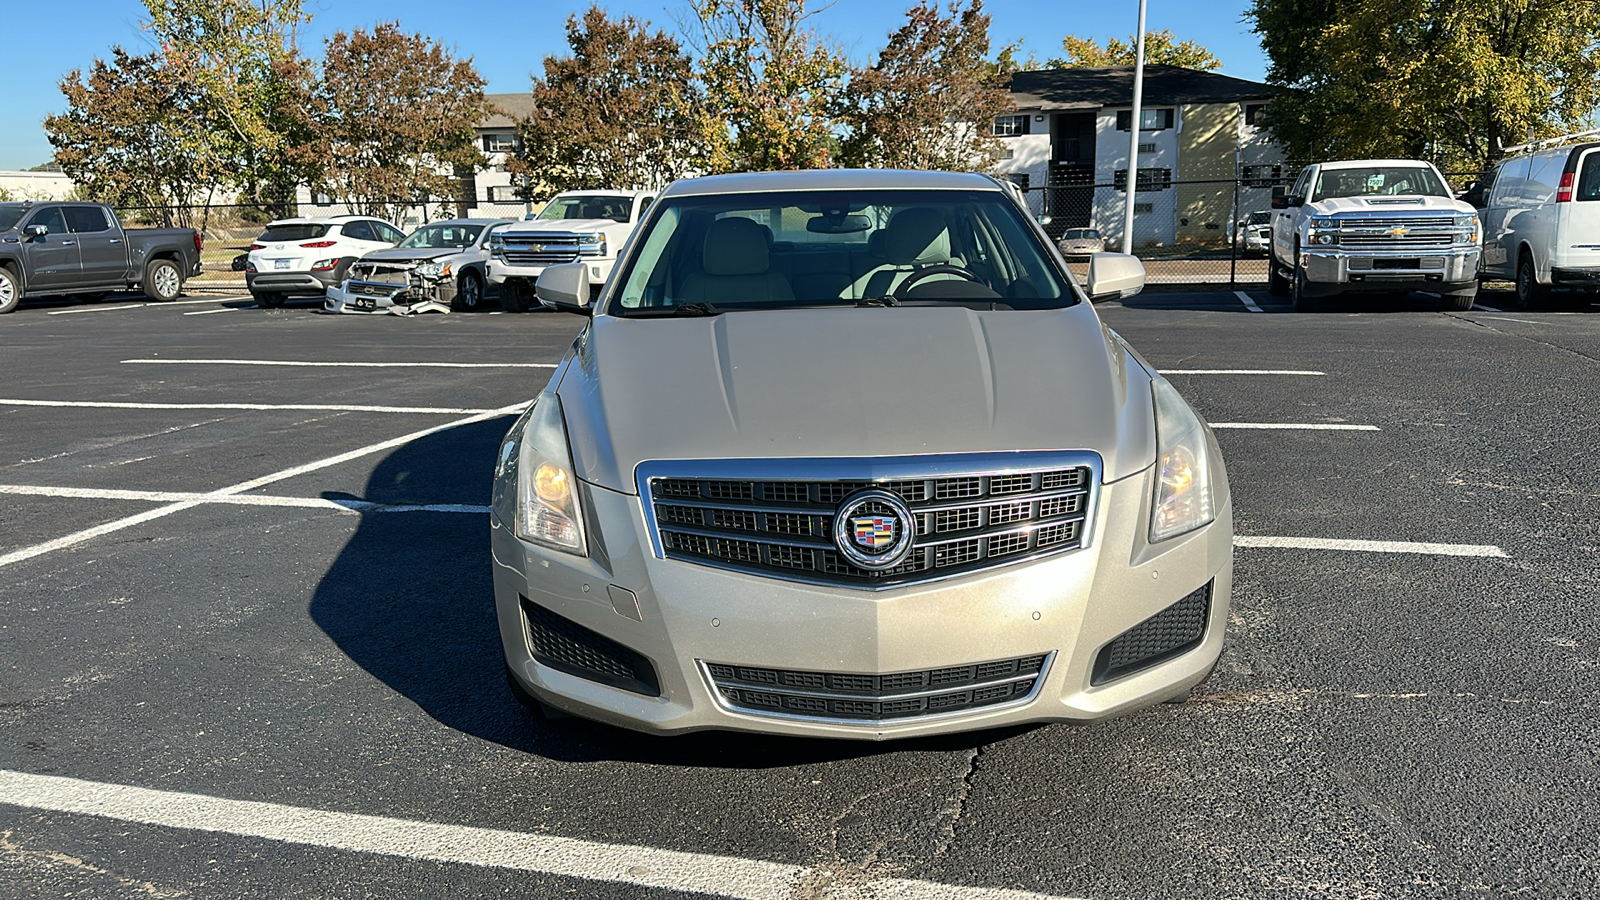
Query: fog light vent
{"x": 1175, "y": 630}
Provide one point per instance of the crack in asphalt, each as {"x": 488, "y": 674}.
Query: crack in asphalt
{"x": 1530, "y": 339}
{"x": 958, "y": 804}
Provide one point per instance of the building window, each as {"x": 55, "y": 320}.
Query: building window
{"x": 1149, "y": 180}
{"x": 1147, "y": 148}
{"x": 321, "y": 200}
{"x": 1261, "y": 176}
{"x": 502, "y": 193}
{"x": 1010, "y": 126}
{"x": 499, "y": 143}
{"x": 1140, "y": 209}
{"x": 1252, "y": 113}
{"x": 1149, "y": 119}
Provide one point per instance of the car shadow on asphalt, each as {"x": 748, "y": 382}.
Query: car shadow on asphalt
{"x": 410, "y": 600}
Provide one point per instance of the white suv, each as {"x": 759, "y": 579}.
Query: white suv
{"x": 305, "y": 256}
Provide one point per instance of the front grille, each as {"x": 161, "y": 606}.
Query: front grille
{"x": 566, "y": 646}
{"x": 1422, "y": 233}
{"x": 374, "y": 288}
{"x": 545, "y": 248}
{"x": 1175, "y": 630}
{"x": 875, "y": 698}
{"x": 784, "y": 528}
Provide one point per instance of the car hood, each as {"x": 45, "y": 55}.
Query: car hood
{"x": 533, "y": 226}
{"x": 418, "y": 254}
{"x": 1390, "y": 206}
{"x": 851, "y": 383}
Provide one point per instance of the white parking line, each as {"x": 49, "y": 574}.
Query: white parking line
{"x": 1294, "y": 426}
{"x": 86, "y": 534}
{"x": 197, "y": 498}
{"x": 334, "y": 365}
{"x": 1486, "y": 308}
{"x": 85, "y": 309}
{"x": 646, "y": 867}
{"x": 208, "y": 312}
{"x": 1240, "y": 372}
{"x": 314, "y": 407}
{"x": 1308, "y": 543}
{"x": 1248, "y": 303}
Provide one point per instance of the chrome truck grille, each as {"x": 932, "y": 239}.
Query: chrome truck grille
{"x": 1397, "y": 232}
{"x": 544, "y": 248}
{"x": 870, "y": 523}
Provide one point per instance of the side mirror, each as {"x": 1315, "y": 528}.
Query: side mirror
{"x": 1115, "y": 276}
{"x": 565, "y": 288}
{"x": 36, "y": 231}
{"x": 1280, "y": 197}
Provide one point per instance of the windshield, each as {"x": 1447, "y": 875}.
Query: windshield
{"x": 294, "y": 231}
{"x": 10, "y": 216}
{"x": 440, "y": 237}
{"x": 710, "y": 254}
{"x": 1378, "y": 181}
{"x": 1078, "y": 234}
{"x": 1260, "y": 218}
{"x": 615, "y": 208}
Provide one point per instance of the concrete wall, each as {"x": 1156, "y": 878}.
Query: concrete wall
{"x": 1208, "y": 148}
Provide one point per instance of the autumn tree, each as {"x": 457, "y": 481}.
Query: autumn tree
{"x": 771, "y": 84}
{"x": 241, "y": 59}
{"x": 1160, "y": 48}
{"x": 399, "y": 113}
{"x": 620, "y": 112}
{"x": 1450, "y": 80}
{"x": 136, "y": 133}
{"x": 928, "y": 99}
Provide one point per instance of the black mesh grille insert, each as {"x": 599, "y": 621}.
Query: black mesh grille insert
{"x": 860, "y": 697}
{"x": 566, "y": 646}
{"x": 1173, "y": 631}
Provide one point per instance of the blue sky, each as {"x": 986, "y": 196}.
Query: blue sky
{"x": 508, "y": 41}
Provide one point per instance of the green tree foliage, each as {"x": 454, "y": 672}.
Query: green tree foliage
{"x": 240, "y": 57}
{"x": 621, "y": 112}
{"x": 928, "y": 100}
{"x": 1160, "y": 48}
{"x": 397, "y": 111}
{"x": 1450, "y": 80}
{"x": 771, "y": 86}
{"x": 136, "y": 133}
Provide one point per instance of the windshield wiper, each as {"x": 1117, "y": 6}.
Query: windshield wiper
{"x": 882, "y": 300}
{"x": 686, "y": 309}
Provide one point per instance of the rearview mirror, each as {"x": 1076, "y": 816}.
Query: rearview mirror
{"x": 840, "y": 225}
{"x": 1115, "y": 276}
{"x": 565, "y": 288}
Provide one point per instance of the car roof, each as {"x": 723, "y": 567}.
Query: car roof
{"x": 831, "y": 179}
{"x": 597, "y": 193}
{"x": 1371, "y": 163}
{"x": 321, "y": 220}
{"x": 464, "y": 222}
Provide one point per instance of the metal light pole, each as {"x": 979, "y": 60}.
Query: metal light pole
{"x": 1133, "y": 132}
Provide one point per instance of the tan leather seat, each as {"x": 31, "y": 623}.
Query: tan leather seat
{"x": 914, "y": 239}
{"x": 734, "y": 267}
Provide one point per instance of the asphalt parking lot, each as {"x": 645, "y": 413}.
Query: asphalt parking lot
{"x": 247, "y": 644}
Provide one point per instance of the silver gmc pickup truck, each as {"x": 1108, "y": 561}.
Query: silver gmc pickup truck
{"x": 849, "y": 454}
{"x": 1373, "y": 226}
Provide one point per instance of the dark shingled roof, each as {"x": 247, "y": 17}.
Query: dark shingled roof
{"x": 511, "y": 109}
{"x": 1113, "y": 86}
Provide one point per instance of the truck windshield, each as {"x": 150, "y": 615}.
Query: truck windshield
{"x": 294, "y": 231}
{"x": 615, "y": 208}
{"x": 441, "y": 237}
{"x": 10, "y": 216}
{"x": 1378, "y": 181}
{"x": 709, "y": 254}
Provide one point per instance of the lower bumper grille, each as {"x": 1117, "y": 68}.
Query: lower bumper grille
{"x": 874, "y": 698}
{"x": 1175, "y": 630}
{"x": 566, "y": 646}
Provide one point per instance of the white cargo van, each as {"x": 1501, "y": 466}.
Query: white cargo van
{"x": 1541, "y": 219}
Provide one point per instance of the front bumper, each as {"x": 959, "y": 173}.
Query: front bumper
{"x": 1339, "y": 271}
{"x": 499, "y": 271}
{"x": 380, "y": 298}
{"x": 692, "y": 618}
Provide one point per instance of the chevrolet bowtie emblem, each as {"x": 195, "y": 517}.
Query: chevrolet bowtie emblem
{"x": 1399, "y": 231}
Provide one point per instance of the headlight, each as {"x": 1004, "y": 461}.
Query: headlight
{"x": 497, "y": 245}
{"x": 1323, "y": 231}
{"x": 592, "y": 244}
{"x": 1183, "y": 500}
{"x": 548, "y": 511}
{"x": 1469, "y": 228}
{"x": 432, "y": 270}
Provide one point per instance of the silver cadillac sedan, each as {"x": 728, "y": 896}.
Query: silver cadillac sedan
{"x": 848, "y": 454}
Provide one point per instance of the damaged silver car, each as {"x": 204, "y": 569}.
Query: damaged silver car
{"x": 437, "y": 268}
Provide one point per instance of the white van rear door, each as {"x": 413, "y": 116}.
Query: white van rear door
{"x": 1578, "y": 236}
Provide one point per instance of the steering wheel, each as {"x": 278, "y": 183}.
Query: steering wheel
{"x": 900, "y": 292}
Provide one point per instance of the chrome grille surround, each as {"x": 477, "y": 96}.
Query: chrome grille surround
{"x": 1372, "y": 232}
{"x": 873, "y": 700}
{"x": 774, "y": 517}
{"x": 545, "y": 248}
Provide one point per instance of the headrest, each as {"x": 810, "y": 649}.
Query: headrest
{"x": 917, "y": 235}
{"x": 876, "y": 242}
{"x": 735, "y": 246}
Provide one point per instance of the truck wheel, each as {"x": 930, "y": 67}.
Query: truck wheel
{"x": 162, "y": 281}
{"x": 514, "y": 297}
{"x": 469, "y": 291}
{"x": 10, "y": 291}
{"x": 1530, "y": 292}
{"x": 268, "y": 300}
{"x": 1302, "y": 299}
{"x": 1277, "y": 285}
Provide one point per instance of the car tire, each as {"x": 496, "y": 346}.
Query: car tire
{"x": 1277, "y": 285}
{"x": 530, "y": 702}
{"x": 469, "y": 292}
{"x": 514, "y": 297}
{"x": 10, "y": 290}
{"x": 163, "y": 283}
{"x": 268, "y": 299}
{"x": 1301, "y": 296}
{"x": 1529, "y": 293}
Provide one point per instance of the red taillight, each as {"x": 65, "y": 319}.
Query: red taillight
{"x": 258, "y": 246}
{"x": 199, "y": 242}
{"x": 317, "y": 245}
{"x": 1564, "y": 192}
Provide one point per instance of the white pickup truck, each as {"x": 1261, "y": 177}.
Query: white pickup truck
{"x": 591, "y": 226}
{"x": 1373, "y": 226}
